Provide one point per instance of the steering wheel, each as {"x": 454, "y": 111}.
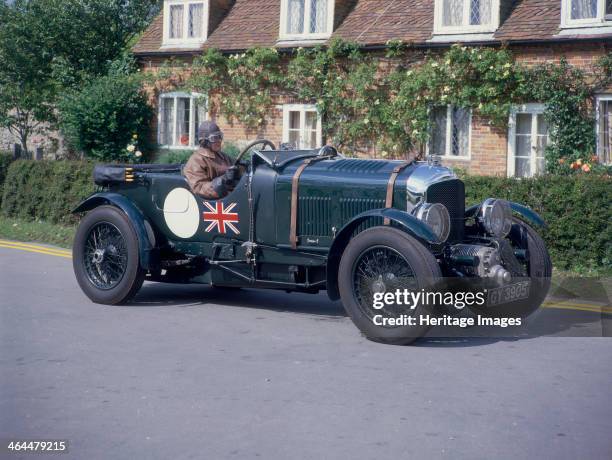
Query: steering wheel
{"x": 264, "y": 142}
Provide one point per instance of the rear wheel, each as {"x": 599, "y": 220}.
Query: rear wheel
{"x": 106, "y": 258}
{"x": 385, "y": 260}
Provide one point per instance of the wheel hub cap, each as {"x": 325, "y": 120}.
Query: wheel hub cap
{"x": 98, "y": 256}
{"x": 378, "y": 286}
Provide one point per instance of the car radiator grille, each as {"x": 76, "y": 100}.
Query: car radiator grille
{"x": 450, "y": 193}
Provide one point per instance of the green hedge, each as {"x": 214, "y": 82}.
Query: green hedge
{"x": 46, "y": 190}
{"x": 576, "y": 208}
{"x": 6, "y": 158}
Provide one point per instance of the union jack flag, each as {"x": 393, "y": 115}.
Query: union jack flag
{"x": 221, "y": 217}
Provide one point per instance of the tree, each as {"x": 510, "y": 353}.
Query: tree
{"x": 105, "y": 117}
{"x": 47, "y": 46}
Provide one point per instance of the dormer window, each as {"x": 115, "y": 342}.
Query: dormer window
{"x": 185, "y": 22}
{"x": 306, "y": 19}
{"x": 466, "y": 16}
{"x": 586, "y": 13}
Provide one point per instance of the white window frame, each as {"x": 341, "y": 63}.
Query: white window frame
{"x": 284, "y": 35}
{"x": 449, "y": 138}
{"x": 466, "y": 28}
{"x": 599, "y": 20}
{"x": 185, "y": 41}
{"x": 193, "y": 141}
{"x": 598, "y": 99}
{"x": 302, "y": 108}
{"x": 532, "y": 109}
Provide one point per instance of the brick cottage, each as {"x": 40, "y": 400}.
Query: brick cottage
{"x": 536, "y": 31}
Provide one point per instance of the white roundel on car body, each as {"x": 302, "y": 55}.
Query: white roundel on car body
{"x": 181, "y": 213}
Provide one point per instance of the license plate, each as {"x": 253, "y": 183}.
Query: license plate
{"x": 510, "y": 293}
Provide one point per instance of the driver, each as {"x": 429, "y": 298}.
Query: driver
{"x": 210, "y": 172}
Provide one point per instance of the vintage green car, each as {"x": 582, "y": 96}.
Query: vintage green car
{"x": 312, "y": 220}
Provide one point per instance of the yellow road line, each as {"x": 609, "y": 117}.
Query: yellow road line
{"x": 35, "y": 246}
{"x": 49, "y": 253}
{"x": 573, "y": 304}
{"x": 604, "y": 310}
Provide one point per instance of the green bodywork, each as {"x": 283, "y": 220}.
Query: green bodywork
{"x": 338, "y": 197}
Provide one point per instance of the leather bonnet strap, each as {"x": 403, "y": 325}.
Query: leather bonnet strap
{"x": 391, "y": 185}
{"x": 295, "y": 184}
{"x": 295, "y": 187}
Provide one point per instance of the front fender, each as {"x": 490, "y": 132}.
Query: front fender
{"x": 405, "y": 221}
{"x": 143, "y": 229}
{"x": 523, "y": 211}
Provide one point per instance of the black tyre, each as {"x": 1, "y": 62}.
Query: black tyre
{"x": 538, "y": 269}
{"x": 105, "y": 257}
{"x": 385, "y": 259}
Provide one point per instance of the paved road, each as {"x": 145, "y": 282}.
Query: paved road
{"x": 190, "y": 372}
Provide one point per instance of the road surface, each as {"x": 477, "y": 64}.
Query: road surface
{"x": 191, "y": 372}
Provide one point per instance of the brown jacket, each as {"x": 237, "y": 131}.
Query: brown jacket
{"x": 203, "y": 166}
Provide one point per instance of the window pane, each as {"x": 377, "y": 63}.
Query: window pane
{"x": 294, "y": 139}
{"x": 608, "y": 8}
{"x": 605, "y": 131}
{"x": 437, "y": 144}
{"x": 480, "y": 12}
{"x": 460, "y": 131}
{"x": 184, "y": 115}
{"x": 311, "y": 140}
{"x": 294, "y": 120}
{"x": 176, "y": 21}
{"x": 523, "y": 123}
{"x": 318, "y": 16}
{"x": 542, "y": 125}
{"x": 541, "y": 146}
{"x": 167, "y": 121}
{"x": 452, "y": 12}
{"x": 295, "y": 17}
{"x": 521, "y": 167}
{"x": 200, "y": 116}
{"x": 584, "y": 9}
{"x": 196, "y": 18}
{"x": 523, "y": 145}
{"x": 311, "y": 120}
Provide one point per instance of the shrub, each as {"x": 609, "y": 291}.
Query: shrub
{"x": 173, "y": 157}
{"x": 105, "y": 117}
{"x": 6, "y": 158}
{"x": 46, "y": 190}
{"x": 576, "y": 208}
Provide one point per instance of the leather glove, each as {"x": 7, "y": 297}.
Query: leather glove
{"x": 223, "y": 184}
{"x": 219, "y": 185}
{"x": 232, "y": 174}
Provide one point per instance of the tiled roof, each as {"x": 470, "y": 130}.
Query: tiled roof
{"x": 531, "y": 19}
{"x": 376, "y": 22}
{"x": 370, "y": 22}
{"x": 249, "y": 23}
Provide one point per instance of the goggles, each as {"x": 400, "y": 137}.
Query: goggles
{"x": 214, "y": 138}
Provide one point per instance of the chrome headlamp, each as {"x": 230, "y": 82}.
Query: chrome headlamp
{"x": 436, "y": 216}
{"x": 496, "y": 217}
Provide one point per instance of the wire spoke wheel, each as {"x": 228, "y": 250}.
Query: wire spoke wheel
{"x": 105, "y": 256}
{"x": 381, "y": 269}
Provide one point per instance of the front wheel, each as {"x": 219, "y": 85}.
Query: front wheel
{"x": 538, "y": 269}
{"x": 105, "y": 257}
{"x": 384, "y": 260}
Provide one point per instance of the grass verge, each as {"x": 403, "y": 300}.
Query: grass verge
{"x": 37, "y": 231}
